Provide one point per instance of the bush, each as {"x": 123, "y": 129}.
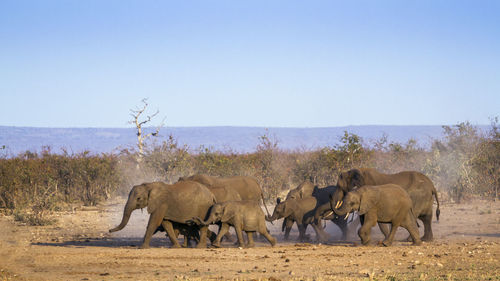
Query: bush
{"x": 464, "y": 164}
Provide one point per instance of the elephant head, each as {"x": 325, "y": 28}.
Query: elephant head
{"x": 346, "y": 182}
{"x": 282, "y": 210}
{"x": 360, "y": 200}
{"x": 219, "y": 212}
{"x": 305, "y": 189}
{"x": 141, "y": 196}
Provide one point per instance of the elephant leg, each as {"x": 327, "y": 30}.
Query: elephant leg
{"x": 288, "y": 228}
{"x": 171, "y": 233}
{"x": 203, "y": 237}
{"x": 396, "y": 222}
{"x": 264, "y": 232}
{"x": 410, "y": 224}
{"x": 427, "y": 220}
{"x": 210, "y": 235}
{"x": 384, "y": 228}
{"x": 155, "y": 219}
{"x": 342, "y": 224}
{"x": 302, "y": 232}
{"x": 364, "y": 232}
{"x": 239, "y": 234}
{"x": 250, "y": 243}
{"x": 222, "y": 231}
{"x": 321, "y": 235}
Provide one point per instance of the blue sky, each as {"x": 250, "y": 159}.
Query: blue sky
{"x": 249, "y": 63}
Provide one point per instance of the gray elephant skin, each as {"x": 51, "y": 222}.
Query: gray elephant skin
{"x": 301, "y": 211}
{"x": 419, "y": 187}
{"x": 247, "y": 187}
{"x": 305, "y": 190}
{"x": 243, "y": 216}
{"x": 167, "y": 203}
{"x": 388, "y": 203}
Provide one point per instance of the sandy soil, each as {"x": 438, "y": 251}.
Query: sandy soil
{"x": 78, "y": 247}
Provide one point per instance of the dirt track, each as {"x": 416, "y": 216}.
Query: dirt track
{"x": 78, "y": 247}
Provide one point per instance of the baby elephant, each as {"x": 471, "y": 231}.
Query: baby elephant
{"x": 243, "y": 216}
{"x": 387, "y": 203}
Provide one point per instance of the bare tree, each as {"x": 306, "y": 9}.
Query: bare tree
{"x": 136, "y": 115}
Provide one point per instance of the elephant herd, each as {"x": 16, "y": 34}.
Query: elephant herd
{"x": 193, "y": 203}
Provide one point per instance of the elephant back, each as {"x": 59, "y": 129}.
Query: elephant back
{"x": 247, "y": 187}
{"x": 188, "y": 199}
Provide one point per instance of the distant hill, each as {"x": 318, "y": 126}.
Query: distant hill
{"x": 238, "y": 139}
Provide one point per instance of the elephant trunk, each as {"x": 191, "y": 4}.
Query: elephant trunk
{"x": 321, "y": 212}
{"x": 127, "y": 211}
{"x": 274, "y": 217}
{"x": 340, "y": 209}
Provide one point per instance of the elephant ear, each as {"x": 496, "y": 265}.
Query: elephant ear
{"x": 227, "y": 213}
{"x": 356, "y": 179}
{"x": 368, "y": 200}
{"x": 155, "y": 200}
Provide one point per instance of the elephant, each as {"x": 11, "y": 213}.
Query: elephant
{"x": 308, "y": 189}
{"x": 303, "y": 190}
{"x": 167, "y": 203}
{"x": 247, "y": 187}
{"x": 419, "y": 187}
{"x": 325, "y": 212}
{"x": 243, "y": 216}
{"x": 301, "y": 211}
{"x": 189, "y": 232}
{"x": 387, "y": 203}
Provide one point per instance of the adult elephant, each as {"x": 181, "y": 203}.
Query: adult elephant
{"x": 419, "y": 187}
{"x": 169, "y": 203}
{"x": 388, "y": 203}
{"x": 247, "y": 187}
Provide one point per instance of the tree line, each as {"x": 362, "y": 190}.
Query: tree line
{"x": 464, "y": 164}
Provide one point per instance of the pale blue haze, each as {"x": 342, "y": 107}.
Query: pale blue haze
{"x": 249, "y": 63}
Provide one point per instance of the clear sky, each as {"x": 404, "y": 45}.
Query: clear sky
{"x": 265, "y": 63}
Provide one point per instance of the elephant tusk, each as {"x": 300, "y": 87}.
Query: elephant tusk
{"x": 329, "y": 213}
{"x": 346, "y": 216}
{"x": 340, "y": 204}
{"x": 337, "y": 206}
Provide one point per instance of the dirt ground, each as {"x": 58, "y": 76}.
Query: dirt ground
{"x": 79, "y": 247}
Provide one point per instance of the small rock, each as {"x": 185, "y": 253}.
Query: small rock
{"x": 291, "y": 273}
{"x": 439, "y": 264}
{"x": 287, "y": 260}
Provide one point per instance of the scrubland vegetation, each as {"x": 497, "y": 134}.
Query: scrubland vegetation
{"x": 464, "y": 164}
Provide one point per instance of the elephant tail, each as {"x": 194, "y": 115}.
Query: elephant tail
{"x": 265, "y": 206}
{"x": 414, "y": 217}
{"x": 438, "y": 211}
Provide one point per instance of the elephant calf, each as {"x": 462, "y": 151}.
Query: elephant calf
{"x": 188, "y": 231}
{"x": 301, "y": 211}
{"x": 387, "y": 203}
{"x": 243, "y": 216}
